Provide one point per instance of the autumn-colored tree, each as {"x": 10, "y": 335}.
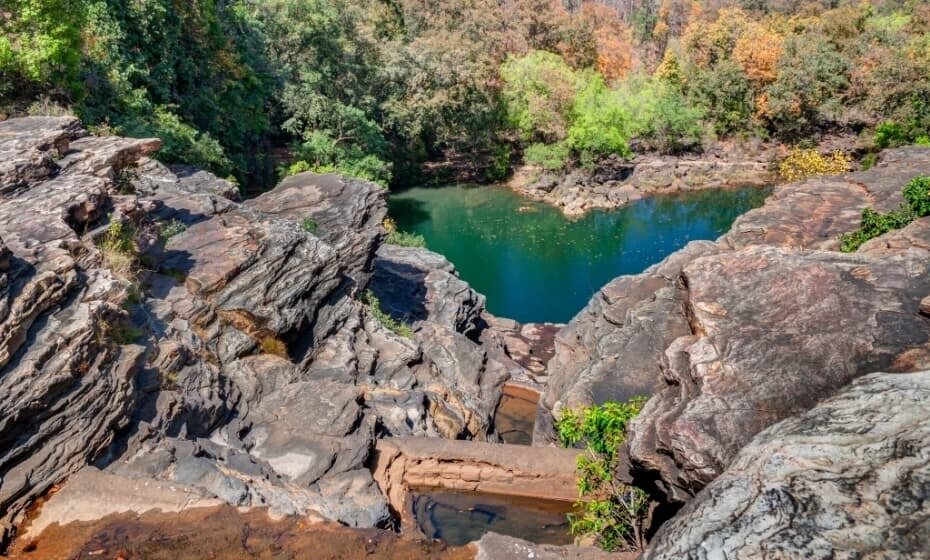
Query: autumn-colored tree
{"x": 614, "y": 40}
{"x": 757, "y": 50}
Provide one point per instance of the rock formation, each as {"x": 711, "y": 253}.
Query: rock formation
{"x": 846, "y": 479}
{"x": 157, "y": 328}
{"x": 734, "y": 336}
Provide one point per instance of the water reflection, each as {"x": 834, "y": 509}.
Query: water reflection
{"x": 459, "y": 518}
{"x": 535, "y": 265}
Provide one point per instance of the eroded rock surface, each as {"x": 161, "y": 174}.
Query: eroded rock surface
{"x": 734, "y": 336}
{"x": 235, "y": 356}
{"x": 775, "y": 331}
{"x": 847, "y": 479}
{"x": 612, "y": 349}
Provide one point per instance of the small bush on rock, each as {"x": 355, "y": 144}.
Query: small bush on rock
{"x": 273, "y": 345}
{"x": 402, "y": 238}
{"x": 917, "y": 195}
{"x": 119, "y": 250}
{"x": 611, "y": 513}
{"x": 916, "y": 204}
{"x": 395, "y": 326}
{"x": 309, "y": 225}
{"x": 169, "y": 229}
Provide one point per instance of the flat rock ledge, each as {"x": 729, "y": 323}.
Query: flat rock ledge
{"x": 404, "y": 465}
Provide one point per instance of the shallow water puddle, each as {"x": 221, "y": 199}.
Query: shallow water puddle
{"x": 458, "y": 518}
{"x": 516, "y": 415}
{"x": 223, "y": 533}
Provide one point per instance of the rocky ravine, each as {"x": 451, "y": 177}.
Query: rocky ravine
{"x": 238, "y": 363}
{"x": 731, "y": 337}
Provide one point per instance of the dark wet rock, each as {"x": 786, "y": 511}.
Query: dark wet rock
{"x": 847, "y": 478}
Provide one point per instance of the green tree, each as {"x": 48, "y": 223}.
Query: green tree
{"x": 600, "y": 123}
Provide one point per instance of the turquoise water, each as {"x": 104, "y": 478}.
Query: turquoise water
{"x": 535, "y": 265}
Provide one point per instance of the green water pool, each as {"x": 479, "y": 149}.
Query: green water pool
{"x": 536, "y": 265}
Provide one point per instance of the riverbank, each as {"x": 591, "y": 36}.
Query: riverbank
{"x": 617, "y": 182}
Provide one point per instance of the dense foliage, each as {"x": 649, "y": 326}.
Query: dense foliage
{"x": 376, "y": 88}
{"x": 608, "y": 512}
{"x": 916, "y": 204}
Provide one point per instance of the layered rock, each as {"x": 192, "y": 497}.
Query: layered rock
{"x": 65, "y": 385}
{"x": 233, "y": 354}
{"x": 612, "y": 349}
{"x": 847, "y": 478}
{"x": 734, "y": 336}
{"x": 773, "y": 332}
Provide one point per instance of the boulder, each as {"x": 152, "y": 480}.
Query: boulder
{"x": 413, "y": 284}
{"x": 845, "y": 479}
{"x": 612, "y": 349}
{"x": 774, "y": 331}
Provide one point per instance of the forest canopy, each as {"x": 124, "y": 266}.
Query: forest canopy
{"x": 377, "y": 88}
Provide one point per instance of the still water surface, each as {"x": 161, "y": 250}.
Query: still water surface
{"x": 535, "y": 265}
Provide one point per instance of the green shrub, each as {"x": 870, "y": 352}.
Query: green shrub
{"x": 171, "y": 228}
{"x": 309, "y": 225}
{"x": 869, "y": 161}
{"x": 368, "y": 168}
{"x": 661, "y": 116}
{"x": 118, "y": 249}
{"x": 120, "y": 332}
{"x": 401, "y": 238}
{"x": 181, "y": 142}
{"x": 600, "y": 123}
{"x": 725, "y": 96}
{"x": 916, "y": 204}
{"x": 917, "y": 195}
{"x": 499, "y": 164}
{"x": 393, "y": 325}
{"x": 889, "y": 134}
{"x": 539, "y": 91}
{"x": 874, "y": 224}
{"x": 548, "y": 156}
{"x": 406, "y": 239}
{"x": 612, "y": 514}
